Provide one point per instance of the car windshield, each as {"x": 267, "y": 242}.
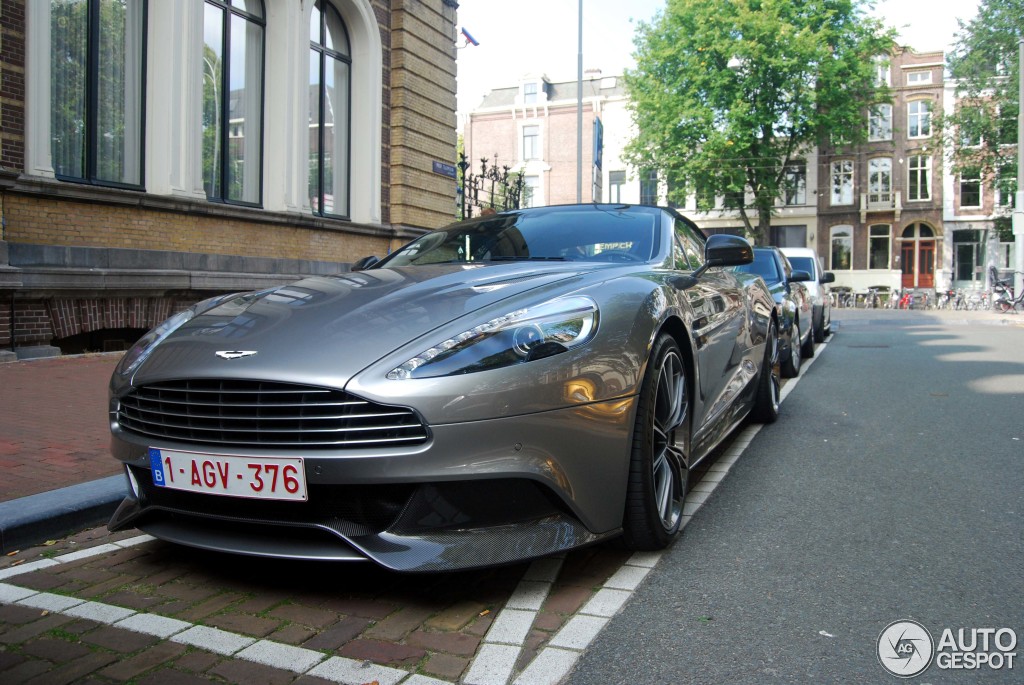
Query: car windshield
{"x": 803, "y": 264}
{"x": 764, "y": 265}
{"x": 592, "y": 233}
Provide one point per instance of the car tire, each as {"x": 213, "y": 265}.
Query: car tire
{"x": 792, "y": 361}
{"x": 658, "y": 468}
{"x": 819, "y": 329}
{"x": 769, "y": 382}
{"x": 807, "y": 346}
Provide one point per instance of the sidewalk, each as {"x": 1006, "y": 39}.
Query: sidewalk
{"x": 56, "y": 472}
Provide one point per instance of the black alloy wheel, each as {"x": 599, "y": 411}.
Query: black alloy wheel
{"x": 792, "y": 361}
{"x": 659, "y": 469}
{"x": 807, "y": 347}
{"x": 769, "y": 382}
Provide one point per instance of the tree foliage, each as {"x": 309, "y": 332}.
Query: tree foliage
{"x": 981, "y": 133}
{"x": 727, "y": 94}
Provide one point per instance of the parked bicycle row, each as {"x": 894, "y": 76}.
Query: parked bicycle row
{"x": 1000, "y": 299}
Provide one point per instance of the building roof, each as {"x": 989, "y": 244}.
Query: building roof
{"x": 558, "y": 92}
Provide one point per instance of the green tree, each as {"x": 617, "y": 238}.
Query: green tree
{"x": 727, "y": 94}
{"x": 981, "y": 133}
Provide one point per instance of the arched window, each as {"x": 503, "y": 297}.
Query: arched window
{"x": 330, "y": 65}
{"x": 842, "y": 248}
{"x": 233, "y": 100}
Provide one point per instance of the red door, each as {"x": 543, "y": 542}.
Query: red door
{"x": 926, "y": 264}
{"x": 907, "y": 263}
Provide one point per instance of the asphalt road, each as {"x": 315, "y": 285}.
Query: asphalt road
{"x": 891, "y": 488}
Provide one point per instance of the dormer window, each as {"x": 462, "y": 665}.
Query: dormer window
{"x": 529, "y": 93}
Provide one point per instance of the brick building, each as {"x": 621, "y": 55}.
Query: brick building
{"x": 884, "y": 212}
{"x": 531, "y": 127}
{"x": 880, "y": 203}
{"x": 157, "y": 152}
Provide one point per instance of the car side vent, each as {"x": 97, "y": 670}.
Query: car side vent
{"x": 244, "y": 413}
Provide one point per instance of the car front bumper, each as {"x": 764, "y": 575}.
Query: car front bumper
{"x": 476, "y": 494}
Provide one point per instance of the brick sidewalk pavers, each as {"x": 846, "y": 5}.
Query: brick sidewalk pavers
{"x": 431, "y": 625}
{"x": 53, "y": 423}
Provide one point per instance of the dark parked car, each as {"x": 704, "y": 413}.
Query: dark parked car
{"x": 793, "y": 302}
{"x": 508, "y": 387}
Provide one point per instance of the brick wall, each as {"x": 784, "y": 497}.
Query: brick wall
{"x": 47, "y": 220}
{"x": 12, "y": 83}
{"x": 71, "y": 316}
{"x": 421, "y": 97}
{"x": 41, "y": 321}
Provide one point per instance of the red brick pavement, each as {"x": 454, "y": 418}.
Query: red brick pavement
{"x": 53, "y": 423}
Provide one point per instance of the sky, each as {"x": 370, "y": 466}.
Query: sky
{"x": 542, "y": 37}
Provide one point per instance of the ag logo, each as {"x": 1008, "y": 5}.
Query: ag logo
{"x": 905, "y": 649}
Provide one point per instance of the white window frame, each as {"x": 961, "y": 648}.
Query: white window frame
{"x": 919, "y": 118}
{"x": 919, "y": 78}
{"x": 615, "y": 189}
{"x": 795, "y": 179}
{"x": 530, "y": 98}
{"x": 880, "y": 122}
{"x": 880, "y": 181}
{"x": 888, "y": 243}
{"x": 882, "y": 71}
{"x": 845, "y": 239}
{"x": 924, "y": 171}
{"x": 960, "y": 191}
{"x": 535, "y": 196}
{"x": 1007, "y": 199}
{"x": 536, "y": 152}
{"x": 842, "y": 169}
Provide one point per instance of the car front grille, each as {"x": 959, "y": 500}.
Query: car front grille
{"x": 241, "y": 413}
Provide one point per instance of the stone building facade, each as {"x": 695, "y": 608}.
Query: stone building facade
{"x": 155, "y": 153}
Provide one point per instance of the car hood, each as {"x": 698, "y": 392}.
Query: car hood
{"x": 324, "y": 330}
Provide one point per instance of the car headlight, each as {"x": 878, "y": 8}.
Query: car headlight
{"x": 514, "y": 338}
{"x": 134, "y": 357}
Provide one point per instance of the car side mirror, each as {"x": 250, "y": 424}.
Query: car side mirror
{"x": 365, "y": 263}
{"x": 828, "y": 277}
{"x": 798, "y": 276}
{"x": 723, "y": 249}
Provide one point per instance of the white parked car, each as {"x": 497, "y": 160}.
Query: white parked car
{"x": 806, "y": 259}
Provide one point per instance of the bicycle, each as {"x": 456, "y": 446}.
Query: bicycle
{"x": 871, "y": 300}
{"x": 1005, "y": 302}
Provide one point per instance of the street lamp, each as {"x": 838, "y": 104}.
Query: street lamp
{"x": 1018, "y": 208}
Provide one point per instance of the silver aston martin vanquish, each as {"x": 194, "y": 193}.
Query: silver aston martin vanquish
{"x": 508, "y": 387}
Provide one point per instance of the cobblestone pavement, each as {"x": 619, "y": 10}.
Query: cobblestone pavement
{"x": 99, "y": 607}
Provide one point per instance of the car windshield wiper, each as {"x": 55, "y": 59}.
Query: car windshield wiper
{"x": 513, "y": 258}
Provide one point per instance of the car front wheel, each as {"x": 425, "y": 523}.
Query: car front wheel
{"x": 792, "y": 361}
{"x": 658, "y": 468}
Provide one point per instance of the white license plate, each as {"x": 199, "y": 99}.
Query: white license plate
{"x": 255, "y": 477}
